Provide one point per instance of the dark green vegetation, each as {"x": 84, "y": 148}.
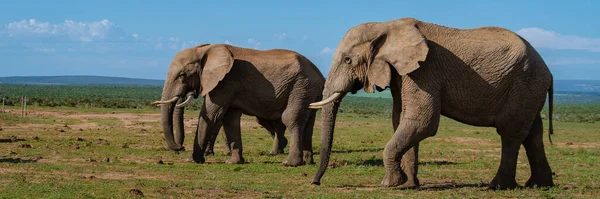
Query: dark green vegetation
{"x": 568, "y": 107}
{"x": 80, "y": 80}
{"x": 105, "y": 141}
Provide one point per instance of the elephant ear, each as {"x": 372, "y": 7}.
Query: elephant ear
{"x": 218, "y": 61}
{"x": 401, "y": 46}
{"x": 378, "y": 75}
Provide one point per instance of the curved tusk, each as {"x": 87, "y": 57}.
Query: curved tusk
{"x": 166, "y": 102}
{"x": 318, "y": 105}
{"x": 185, "y": 103}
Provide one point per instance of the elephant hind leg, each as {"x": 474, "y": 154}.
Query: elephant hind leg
{"x": 277, "y": 129}
{"x": 505, "y": 176}
{"x": 231, "y": 125}
{"x": 210, "y": 148}
{"x": 307, "y": 149}
{"x": 295, "y": 118}
{"x": 541, "y": 174}
{"x": 410, "y": 167}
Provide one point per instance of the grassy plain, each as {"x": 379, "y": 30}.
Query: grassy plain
{"x": 62, "y": 152}
{"x": 90, "y": 148}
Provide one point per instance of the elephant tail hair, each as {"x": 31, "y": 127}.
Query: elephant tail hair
{"x": 550, "y": 104}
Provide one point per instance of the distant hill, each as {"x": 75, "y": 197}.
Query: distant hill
{"x": 80, "y": 80}
{"x": 572, "y": 87}
{"x": 577, "y": 86}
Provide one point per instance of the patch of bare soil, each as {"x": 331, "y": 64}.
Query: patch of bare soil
{"x": 124, "y": 176}
{"x": 85, "y": 125}
{"x": 585, "y": 145}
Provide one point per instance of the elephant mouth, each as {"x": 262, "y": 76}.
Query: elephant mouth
{"x": 356, "y": 86}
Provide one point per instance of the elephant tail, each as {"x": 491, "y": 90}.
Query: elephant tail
{"x": 550, "y": 104}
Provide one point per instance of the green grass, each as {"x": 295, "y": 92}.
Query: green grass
{"x": 456, "y": 163}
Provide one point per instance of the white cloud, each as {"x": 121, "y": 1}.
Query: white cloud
{"x": 541, "y": 38}
{"x": 280, "y": 36}
{"x": 189, "y": 44}
{"x": 325, "y": 51}
{"x": 73, "y": 30}
{"x": 305, "y": 37}
{"x": 228, "y": 42}
{"x": 159, "y": 45}
{"x": 135, "y": 35}
{"x": 152, "y": 63}
{"x": 254, "y": 42}
{"x": 46, "y": 50}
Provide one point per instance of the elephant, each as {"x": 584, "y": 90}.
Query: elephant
{"x": 274, "y": 85}
{"x": 486, "y": 76}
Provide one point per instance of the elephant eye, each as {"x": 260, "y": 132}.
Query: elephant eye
{"x": 348, "y": 60}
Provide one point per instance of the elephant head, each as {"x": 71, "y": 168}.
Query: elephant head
{"x": 365, "y": 58}
{"x": 193, "y": 72}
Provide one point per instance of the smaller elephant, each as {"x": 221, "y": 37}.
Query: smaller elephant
{"x": 276, "y": 86}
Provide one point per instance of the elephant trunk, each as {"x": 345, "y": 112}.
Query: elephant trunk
{"x": 329, "y": 113}
{"x": 167, "y": 112}
{"x": 178, "y": 124}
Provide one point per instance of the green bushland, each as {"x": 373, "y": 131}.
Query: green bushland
{"x": 570, "y": 107}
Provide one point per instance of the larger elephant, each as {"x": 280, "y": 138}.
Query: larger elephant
{"x": 273, "y": 85}
{"x": 486, "y": 76}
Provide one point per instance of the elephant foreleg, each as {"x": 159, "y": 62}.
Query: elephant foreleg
{"x": 418, "y": 121}
{"x": 410, "y": 159}
{"x": 209, "y": 123}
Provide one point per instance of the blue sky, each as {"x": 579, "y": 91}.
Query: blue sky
{"x": 139, "y": 38}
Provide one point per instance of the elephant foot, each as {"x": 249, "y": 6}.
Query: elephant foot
{"x": 539, "y": 181}
{"x": 293, "y": 162}
{"x": 393, "y": 178}
{"x": 209, "y": 152}
{"x": 410, "y": 184}
{"x": 235, "y": 160}
{"x": 275, "y": 152}
{"x": 279, "y": 149}
{"x": 308, "y": 157}
{"x": 196, "y": 159}
{"x": 503, "y": 183}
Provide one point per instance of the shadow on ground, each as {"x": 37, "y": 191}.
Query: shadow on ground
{"x": 11, "y": 139}
{"x": 356, "y": 150}
{"x": 450, "y": 185}
{"x": 16, "y": 160}
{"x": 379, "y": 162}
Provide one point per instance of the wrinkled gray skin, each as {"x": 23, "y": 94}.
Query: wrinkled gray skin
{"x": 486, "y": 76}
{"x": 276, "y": 86}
